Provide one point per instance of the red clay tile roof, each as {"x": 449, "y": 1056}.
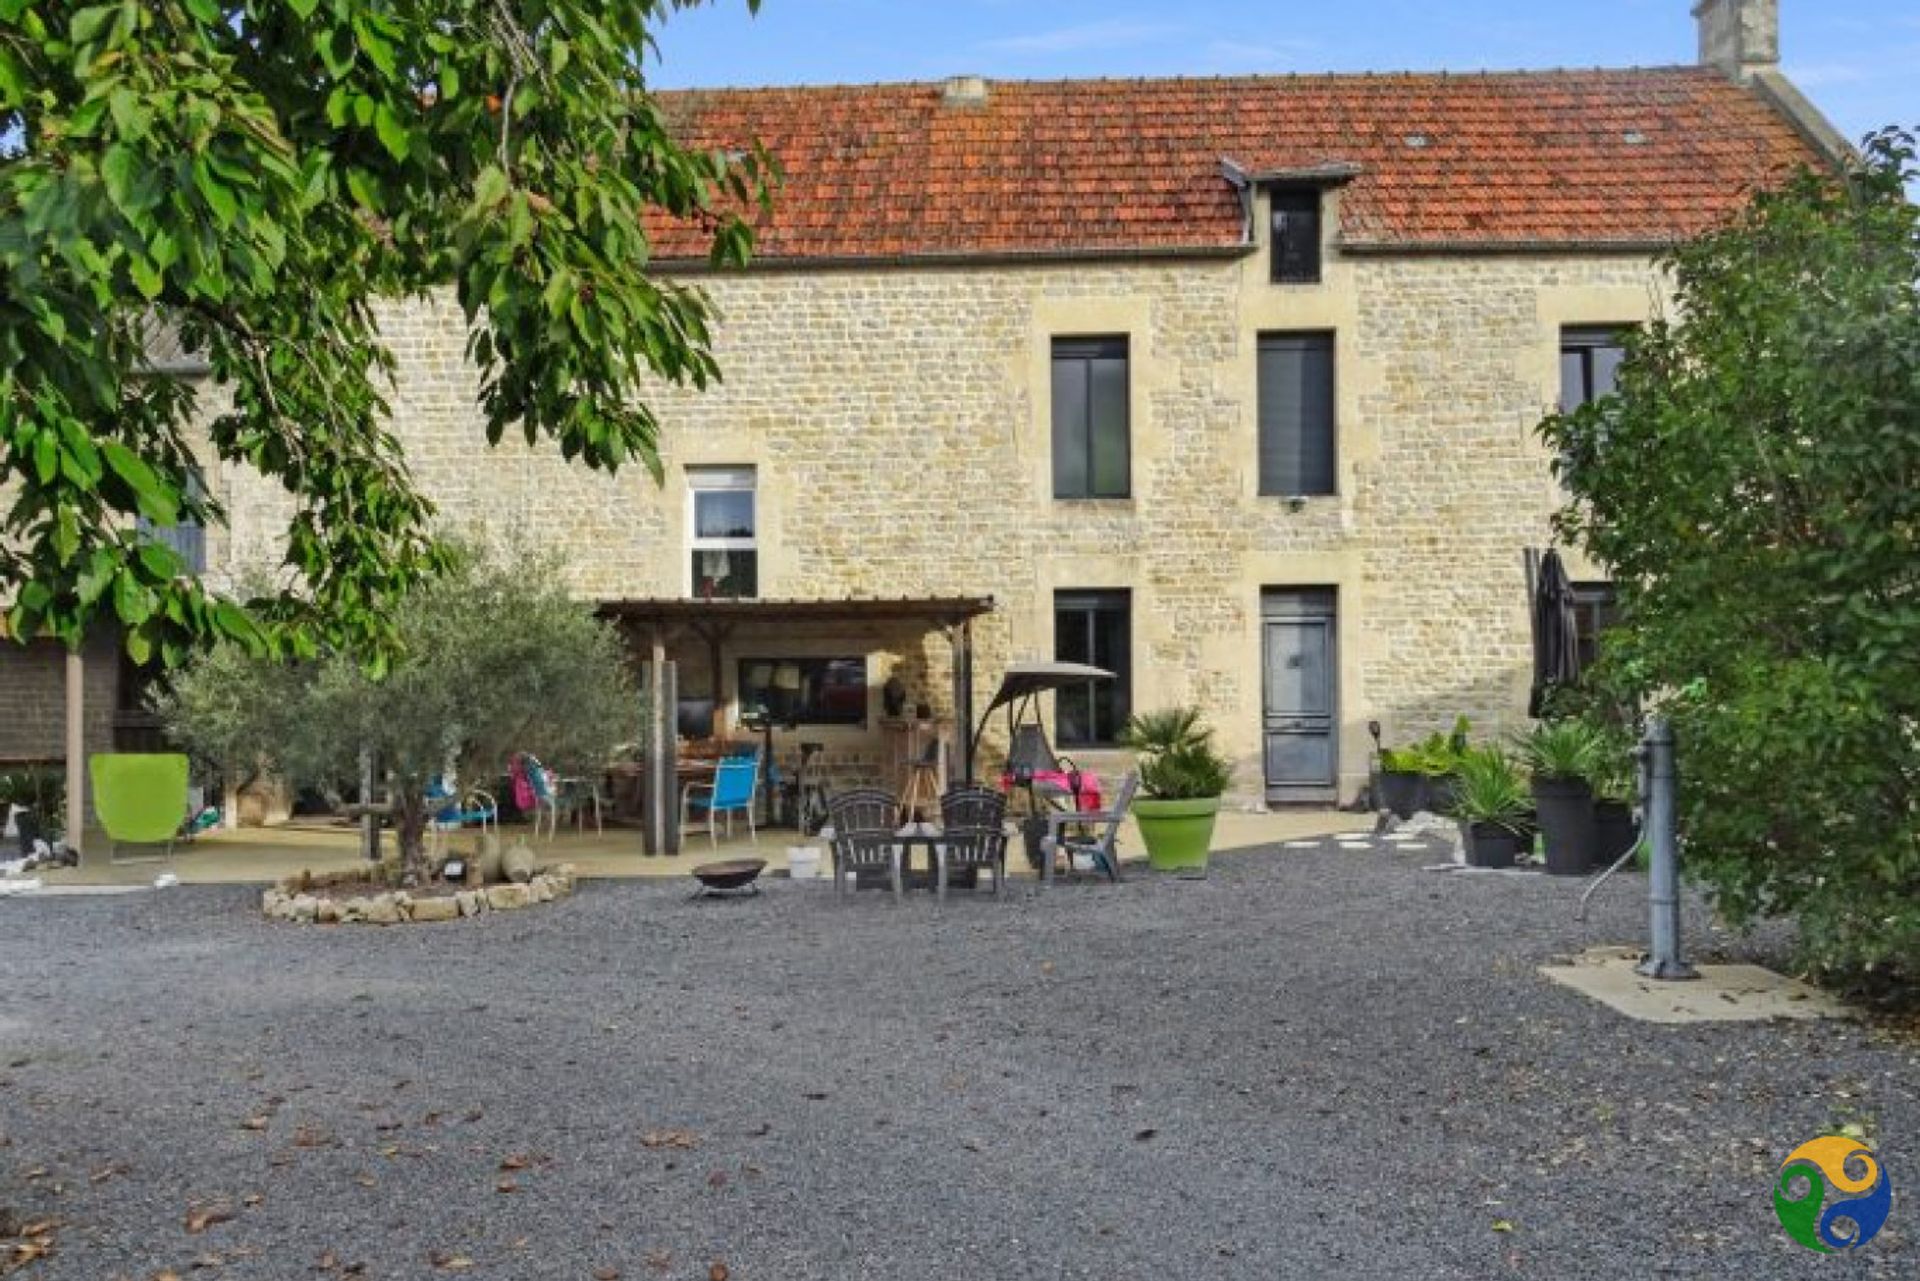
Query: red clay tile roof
{"x": 1509, "y": 160}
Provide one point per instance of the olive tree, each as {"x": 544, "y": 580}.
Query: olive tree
{"x": 1754, "y": 487}
{"x": 493, "y": 658}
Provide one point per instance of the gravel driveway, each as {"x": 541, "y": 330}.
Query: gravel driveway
{"x": 1319, "y": 1062}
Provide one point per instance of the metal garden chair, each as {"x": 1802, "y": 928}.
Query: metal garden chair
{"x": 533, "y": 792}
{"x": 1099, "y": 847}
{"x": 973, "y": 835}
{"x": 454, "y": 810}
{"x": 864, "y": 839}
{"x": 731, "y": 792}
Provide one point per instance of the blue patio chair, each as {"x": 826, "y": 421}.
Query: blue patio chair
{"x": 453, "y": 810}
{"x": 731, "y": 792}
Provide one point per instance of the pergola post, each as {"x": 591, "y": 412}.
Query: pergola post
{"x": 961, "y": 636}
{"x": 76, "y": 747}
{"x": 659, "y": 769}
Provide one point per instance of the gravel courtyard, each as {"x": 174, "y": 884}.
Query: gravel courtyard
{"x": 1318, "y": 1062}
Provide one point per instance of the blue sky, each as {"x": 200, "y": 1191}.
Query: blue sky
{"x": 1858, "y": 59}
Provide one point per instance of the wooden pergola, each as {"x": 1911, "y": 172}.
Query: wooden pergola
{"x": 655, "y": 622}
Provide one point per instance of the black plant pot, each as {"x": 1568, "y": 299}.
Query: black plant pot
{"x": 28, "y": 826}
{"x": 1614, "y": 832}
{"x": 1404, "y": 794}
{"x": 1492, "y": 845}
{"x": 1565, "y": 806}
{"x": 1442, "y": 791}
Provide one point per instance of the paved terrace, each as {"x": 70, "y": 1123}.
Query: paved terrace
{"x": 264, "y": 855}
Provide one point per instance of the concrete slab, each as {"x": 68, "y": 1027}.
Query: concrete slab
{"x": 1722, "y": 993}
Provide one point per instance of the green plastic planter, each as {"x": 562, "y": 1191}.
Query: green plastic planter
{"x": 1178, "y": 833}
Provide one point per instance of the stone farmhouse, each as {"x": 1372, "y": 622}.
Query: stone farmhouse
{"x": 1226, "y": 385}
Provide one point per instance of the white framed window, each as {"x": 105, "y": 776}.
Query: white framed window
{"x": 723, "y": 533}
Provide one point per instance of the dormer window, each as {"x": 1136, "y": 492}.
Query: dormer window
{"x": 1296, "y": 236}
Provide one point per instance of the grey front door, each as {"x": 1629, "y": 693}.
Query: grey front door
{"x": 1300, "y": 662}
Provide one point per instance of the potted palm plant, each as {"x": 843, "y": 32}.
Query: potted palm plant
{"x": 1563, "y": 756}
{"x": 1493, "y": 805}
{"x": 1183, "y": 777}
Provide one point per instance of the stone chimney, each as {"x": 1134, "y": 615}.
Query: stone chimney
{"x": 1740, "y": 37}
{"x": 965, "y": 91}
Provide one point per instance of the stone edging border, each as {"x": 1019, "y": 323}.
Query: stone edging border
{"x": 398, "y": 907}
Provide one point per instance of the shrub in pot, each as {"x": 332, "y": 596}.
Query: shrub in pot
{"x": 1613, "y": 787}
{"x": 1493, "y": 805}
{"x": 1440, "y": 762}
{"x": 1563, "y": 756}
{"x": 1182, "y": 777}
{"x": 41, "y": 795}
{"x": 1403, "y": 783}
{"x": 1420, "y": 776}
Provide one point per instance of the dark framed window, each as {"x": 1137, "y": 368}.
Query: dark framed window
{"x": 1298, "y": 450}
{"x": 805, "y": 691}
{"x": 1092, "y": 453}
{"x": 1296, "y": 236}
{"x": 1094, "y": 627}
{"x": 1590, "y": 363}
{"x": 188, "y": 539}
{"x": 1595, "y": 608}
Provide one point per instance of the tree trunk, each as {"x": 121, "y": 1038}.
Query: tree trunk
{"x": 410, "y": 827}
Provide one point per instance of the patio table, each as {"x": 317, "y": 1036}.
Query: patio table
{"x": 925, "y": 836}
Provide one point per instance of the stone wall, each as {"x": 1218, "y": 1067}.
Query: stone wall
{"x": 899, "y": 421}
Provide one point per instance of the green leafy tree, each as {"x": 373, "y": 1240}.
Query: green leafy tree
{"x": 250, "y": 177}
{"x": 492, "y": 659}
{"x": 1755, "y": 488}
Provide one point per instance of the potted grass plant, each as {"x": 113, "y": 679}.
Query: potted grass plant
{"x": 1563, "y": 757}
{"x": 1183, "y": 777}
{"x": 1493, "y": 805}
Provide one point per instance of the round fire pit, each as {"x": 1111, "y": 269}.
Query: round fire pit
{"x": 734, "y": 876}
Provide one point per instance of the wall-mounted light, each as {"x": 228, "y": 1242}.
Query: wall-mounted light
{"x": 1296, "y": 501}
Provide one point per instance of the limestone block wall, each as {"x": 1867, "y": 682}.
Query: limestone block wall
{"x": 899, "y": 420}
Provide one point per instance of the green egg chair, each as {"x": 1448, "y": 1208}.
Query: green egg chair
{"x": 141, "y": 799}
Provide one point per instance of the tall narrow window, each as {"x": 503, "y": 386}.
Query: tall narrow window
{"x": 723, "y": 523}
{"x": 1590, "y": 363}
{"x": 1297, "y": 449}
{"x": 1094, "y": 628}
{"x": 1296, "y": 236}
{"x": 1595, "y": 609}
{"x": 1091, "y": 451}
{"x": 188, "y": 538}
